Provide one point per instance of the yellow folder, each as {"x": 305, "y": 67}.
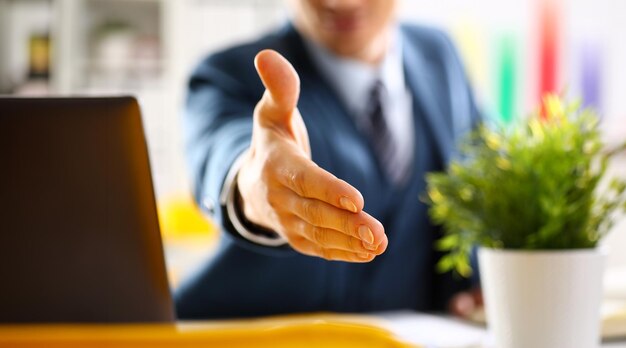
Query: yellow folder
{"x": 316, "y": 330}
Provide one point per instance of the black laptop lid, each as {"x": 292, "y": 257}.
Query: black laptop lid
{"x": 79, "y": 236}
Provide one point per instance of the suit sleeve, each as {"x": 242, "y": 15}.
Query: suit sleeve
{"x": 217, "y": 124}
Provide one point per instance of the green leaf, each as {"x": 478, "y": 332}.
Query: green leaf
{"x": 448, "y": 242}
{"x": 446, "y": 264}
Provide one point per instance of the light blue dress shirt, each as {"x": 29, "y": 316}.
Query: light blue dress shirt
{"x": 354, "y": 80}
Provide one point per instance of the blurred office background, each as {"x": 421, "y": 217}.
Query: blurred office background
{"x": 513, "y": 50}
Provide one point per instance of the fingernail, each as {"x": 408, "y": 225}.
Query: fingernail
{"x": 369, "y": 246}
{"x": 347, "y": 204}
{"x": 366, "y": 234}
{"x": 363, "y": 255}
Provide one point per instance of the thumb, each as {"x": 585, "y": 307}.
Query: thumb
{"x": 282, "y": 87}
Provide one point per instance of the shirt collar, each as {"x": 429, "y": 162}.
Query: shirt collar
{"x": 353, "y": 80}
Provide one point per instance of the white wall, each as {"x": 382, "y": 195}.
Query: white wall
{"x": 600, "y": 21}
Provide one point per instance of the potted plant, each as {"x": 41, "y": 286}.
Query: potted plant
{"x": 535, "y": 200}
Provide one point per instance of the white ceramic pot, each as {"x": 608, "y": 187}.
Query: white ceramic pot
{"x": 543, "y": 299}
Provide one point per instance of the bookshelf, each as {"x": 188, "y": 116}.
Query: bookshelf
{"x": 141, "y": 47}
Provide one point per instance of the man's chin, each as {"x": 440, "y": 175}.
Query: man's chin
{"x": 350, "y": 50}
{"x": 356, "y": 44}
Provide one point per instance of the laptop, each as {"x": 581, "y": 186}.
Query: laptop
{"x": 79, "y": 236}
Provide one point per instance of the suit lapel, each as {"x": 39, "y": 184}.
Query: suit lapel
{"x": 319, "y": 90}
{"x": 420, "y": 80}
{"x": 319, "y": 96}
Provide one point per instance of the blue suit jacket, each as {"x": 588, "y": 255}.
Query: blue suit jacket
{"x": 244, "y": 279}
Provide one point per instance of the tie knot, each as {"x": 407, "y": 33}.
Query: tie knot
{"x": 376, "y": 101}
{"x": 377, "y": 90}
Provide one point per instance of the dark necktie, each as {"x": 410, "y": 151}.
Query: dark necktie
{"x": 382, "y": 139}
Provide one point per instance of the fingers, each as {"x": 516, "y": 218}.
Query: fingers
{"x": 462, "y": 305}
{"x": 466, "y": 304}
{"x": 307, "y": 247}
{"x": 322, "y": 215}
{"x": 331, "y": 239}
{"x": 308, "y": 180}
{"x": 282, "y": 88}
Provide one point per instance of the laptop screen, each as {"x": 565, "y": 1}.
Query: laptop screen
{"x": 79, "y": 235}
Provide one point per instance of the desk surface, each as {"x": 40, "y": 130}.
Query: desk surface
{"x": 444, "y": 332}
{"x": 392, "y": 329}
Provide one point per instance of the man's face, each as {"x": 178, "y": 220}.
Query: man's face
{"x": 346, "y": 27}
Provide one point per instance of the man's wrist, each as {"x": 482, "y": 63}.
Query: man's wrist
{"x": 247, "y": 224}
{"x": 231, "y": 200}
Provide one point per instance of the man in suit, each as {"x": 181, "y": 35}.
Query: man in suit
{"x": 313, "y": 159}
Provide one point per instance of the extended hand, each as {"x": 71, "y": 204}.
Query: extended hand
{"x": 284, "y": 190}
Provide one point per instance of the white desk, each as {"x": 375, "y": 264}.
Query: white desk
{"x": 444, "y": 332}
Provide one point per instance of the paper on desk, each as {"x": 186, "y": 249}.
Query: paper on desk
{"x": 615, "y": 283}
{"x": 433, "y": 331}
